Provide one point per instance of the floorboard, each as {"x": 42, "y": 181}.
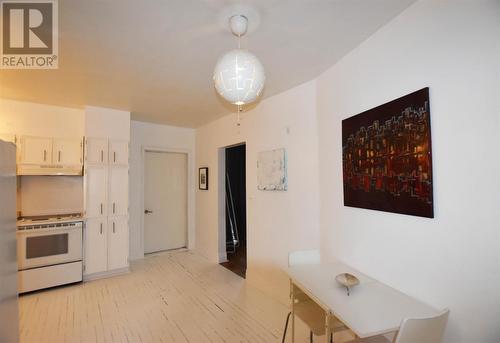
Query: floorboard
{"x": 167, "y": 297}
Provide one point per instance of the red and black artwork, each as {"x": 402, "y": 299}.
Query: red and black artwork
{"x": 387, "y": 159}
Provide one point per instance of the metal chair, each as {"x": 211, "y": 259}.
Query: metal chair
{"x": 304, "y": 307}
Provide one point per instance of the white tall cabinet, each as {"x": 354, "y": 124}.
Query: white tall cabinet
{"x": 106, "y": 209}
{"x": 106, "y": 247}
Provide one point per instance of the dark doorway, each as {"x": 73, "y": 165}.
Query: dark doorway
{"x": 236, "y": 215}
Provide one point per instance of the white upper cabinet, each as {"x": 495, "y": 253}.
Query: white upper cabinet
{"x": 96, "y": 150}
{"x": 50, "y": 151}
{"x": 118, "y": 152}
{"x": 118, "y": 191}
{"x": 118, "y": 244}
{"x": 36, "y": 150}
{"x": 102, "y": 151}
{"x": 95, "y": 192}
{"x": 67, "y": 151}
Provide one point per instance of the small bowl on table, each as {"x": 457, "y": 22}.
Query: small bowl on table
{"x": 347, "y": 280}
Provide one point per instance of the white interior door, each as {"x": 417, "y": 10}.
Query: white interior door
{"x": 165, "y": 201}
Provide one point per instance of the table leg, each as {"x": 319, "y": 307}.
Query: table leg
{"x": 293, "y": 310}
{"x": 328, "y": 331}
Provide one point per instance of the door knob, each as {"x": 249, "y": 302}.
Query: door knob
{"x": 148, "y": 211}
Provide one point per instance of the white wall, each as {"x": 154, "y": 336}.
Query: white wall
{"x": 41, "y": 195}
{"x": 146, "y": 135}
{"x": 451, "y": 260}
{"x": 277, "y": 222}
{"x": 26, "y": 118}
{"x": 108, "y": 123}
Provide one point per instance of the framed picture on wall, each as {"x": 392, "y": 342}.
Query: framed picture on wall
{"x": 387, "y": 157}
{"x": 272, "y": 170}
{"x": 203, "y": 179}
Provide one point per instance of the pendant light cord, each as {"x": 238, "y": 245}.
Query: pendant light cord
{"x": 239, "y": 116}
{"x": 239, "y": 106}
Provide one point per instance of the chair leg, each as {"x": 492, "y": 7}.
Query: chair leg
{"x": 310, "y": 336}
{"x": 286, "y": 327}
{"x": 331, "y": 337}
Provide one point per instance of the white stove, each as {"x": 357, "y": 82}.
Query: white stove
{"x": 23, "y": 222}
{"x": 49, "y": 251}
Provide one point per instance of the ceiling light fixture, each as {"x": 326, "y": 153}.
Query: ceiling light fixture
{"x": 239, "y": 76}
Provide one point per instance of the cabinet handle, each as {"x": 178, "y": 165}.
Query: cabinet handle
{"x": 59, "y": 156}
{"x": 44, "y": 155}
{"x": 101, "y": 207}
{"x": 101, "y": 228}
{"x": 114, "y": 156}
{"x": 114, "y": 208}
{"x": 102, "y": 155}
{"x": 113, "y": 227}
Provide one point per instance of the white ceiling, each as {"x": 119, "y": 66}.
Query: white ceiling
{"x": 155, "y": 57}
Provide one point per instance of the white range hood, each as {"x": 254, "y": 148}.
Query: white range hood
{"x": 48, "y": 169}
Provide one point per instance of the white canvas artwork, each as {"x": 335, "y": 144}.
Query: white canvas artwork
{"x": 271, "y": 166}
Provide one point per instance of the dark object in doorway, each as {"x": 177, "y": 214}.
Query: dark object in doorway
{"x": 237, "y": 261}
{"x": 235, "y": 204}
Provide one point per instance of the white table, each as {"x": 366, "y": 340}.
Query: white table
{"x": 372, "y": 308}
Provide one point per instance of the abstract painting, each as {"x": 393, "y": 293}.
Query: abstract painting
{"x": 272, "y": 173}
{"x": 387, "y": 157}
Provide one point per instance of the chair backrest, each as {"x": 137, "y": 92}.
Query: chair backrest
{"x": 301, "y": 257}
{"x": 423, "y": 330}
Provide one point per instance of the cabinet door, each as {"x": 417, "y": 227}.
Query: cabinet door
{"x": 118, "y": 152}
{"x": 67, "y": 151}
{"x": 118, "y": 245}
{"x": 95, "y": 191}
{"x": 96, "y": 150}
{"x": 96, "y": 246}
{"x": 118, "y": 191}
{"x": 36, "y": 150}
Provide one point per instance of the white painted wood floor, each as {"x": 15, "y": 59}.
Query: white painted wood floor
{"x": 167, "y": 297}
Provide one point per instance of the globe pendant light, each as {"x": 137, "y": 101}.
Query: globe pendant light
{"x": 239, "y": 76}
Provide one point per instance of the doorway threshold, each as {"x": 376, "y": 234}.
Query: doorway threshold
{"x": 166, "y": 251}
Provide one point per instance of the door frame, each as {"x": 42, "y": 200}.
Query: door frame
{"x": 189, "y": 190}
{"x": 221, "y": 191}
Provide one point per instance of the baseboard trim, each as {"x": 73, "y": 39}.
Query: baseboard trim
{"x": 106, "y": 274}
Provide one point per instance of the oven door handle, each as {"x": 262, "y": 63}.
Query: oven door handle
{"x": 35, "y": 232}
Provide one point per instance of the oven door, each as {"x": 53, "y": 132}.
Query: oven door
{"x": 49, "y": 246}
